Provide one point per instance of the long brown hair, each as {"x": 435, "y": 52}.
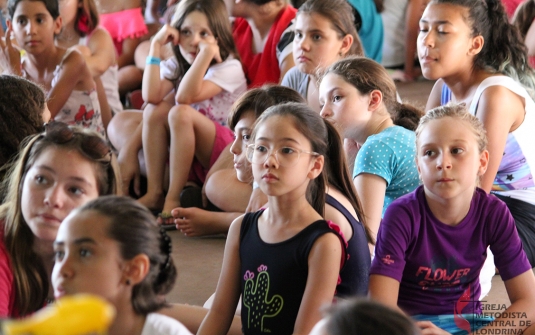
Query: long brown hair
{"x": 30, "y": 276}
{"x": 219, "y": 23}
{"x": 339, "y": 177}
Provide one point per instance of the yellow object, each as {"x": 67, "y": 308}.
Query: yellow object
{"x": 70, "y": 315}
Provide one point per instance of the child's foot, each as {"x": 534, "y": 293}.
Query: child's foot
{"x": 165, "y": 218}
{"x": 198, "y": 222}
{"x": 153, "y": 202}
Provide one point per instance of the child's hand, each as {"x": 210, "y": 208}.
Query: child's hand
{"x": 429, "y": 328}
{"x": 165, "y": 35}
{"x": 9, "y": 54}
{"x": 209, "y": 45}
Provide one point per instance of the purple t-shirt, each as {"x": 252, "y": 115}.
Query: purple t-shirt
{"x": 435, "y": 263}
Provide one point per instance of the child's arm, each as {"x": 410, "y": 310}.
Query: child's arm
{"x": 323, "y": 272}
{"x": 498, "y": 121}
{"x": 384, "y": 290}
{"x": 153, "y": 88}
{"x": 220, "y": 316}
{"x": 193, "y": 88}
{"x": 521, "y": 292}
{"x": 287, "y": 64}
{"x": 371, "y": 190}
{"x": 10, "y": 57}
{"x": 415, "y": 9}
{"x": 434, "y": 97}
{"x": 73, "y": 74}
{"x": 102, "y": 52}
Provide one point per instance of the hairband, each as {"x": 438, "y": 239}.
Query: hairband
{"x": 166, "y": 248}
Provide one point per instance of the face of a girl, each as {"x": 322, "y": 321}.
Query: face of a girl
{"x": 316, "y": 44}
{"x": 345, "y": 105}
{"x": 444, "y": 41}
{"x": 194, "y": 30}
{"x": 86, "y": 259}
{"x": 59, "y": 181}
{"x": 242, "y": 133}
{"x": 448, "y": 159}
{"x": 33, "y": 26}
{"x": 279, "y": 132}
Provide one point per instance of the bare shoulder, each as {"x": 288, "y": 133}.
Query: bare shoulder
{"x": 435, "y": 95}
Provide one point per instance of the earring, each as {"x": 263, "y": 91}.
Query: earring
{"x": 128, "y": 282}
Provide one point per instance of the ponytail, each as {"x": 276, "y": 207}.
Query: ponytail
{"x": 504, "y": 50}
{"x": 338, "y": 176}
{"x": 405, "y": 115}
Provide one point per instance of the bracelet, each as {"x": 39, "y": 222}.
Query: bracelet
{"x": 153, "y": 60}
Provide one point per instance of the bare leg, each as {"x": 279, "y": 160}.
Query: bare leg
{"x": 198, "y": 222}
{"x": 225, "y": 191}
{"x": 192, "y": 135}
{"x": 129, "y": 78}
{"x": 155, "y": 136}
{"x": 122, "y": 126}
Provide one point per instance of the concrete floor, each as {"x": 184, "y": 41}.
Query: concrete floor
{"x": 199, "y": 259}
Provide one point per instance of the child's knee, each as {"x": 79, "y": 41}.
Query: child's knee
{"x": 156, "y": 112}
{"x": 181, "y": 115}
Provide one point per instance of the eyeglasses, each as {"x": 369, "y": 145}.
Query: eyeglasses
{"x": 93, "y": 145}
{"x": 285, "y": 156}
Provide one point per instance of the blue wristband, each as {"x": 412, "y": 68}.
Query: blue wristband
{"x": 153, "y": 60}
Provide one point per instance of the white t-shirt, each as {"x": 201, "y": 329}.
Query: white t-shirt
{"x": 159, "y": 324}
{"x": 228, "y": 75}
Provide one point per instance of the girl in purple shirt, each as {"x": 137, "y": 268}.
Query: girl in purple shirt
{"x": 433, "y": 242}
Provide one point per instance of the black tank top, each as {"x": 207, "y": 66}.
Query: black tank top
{"x": 356, "y": 272}
{"x": 274, "y": 276}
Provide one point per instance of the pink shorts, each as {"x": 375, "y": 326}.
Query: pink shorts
{"x": 125, "y": 24}
{"x": 223, "y": 136}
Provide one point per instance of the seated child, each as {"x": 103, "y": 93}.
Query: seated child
{"x": 433, "y": 242}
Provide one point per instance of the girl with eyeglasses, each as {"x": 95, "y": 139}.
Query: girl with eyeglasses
{"x": 285, "y": 260}
{"x": 56, "y": 171}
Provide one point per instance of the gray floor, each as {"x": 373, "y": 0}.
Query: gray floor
{"x": 199, "y": 259}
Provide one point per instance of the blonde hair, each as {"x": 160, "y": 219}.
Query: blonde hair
{"x": 459, "y": 112}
